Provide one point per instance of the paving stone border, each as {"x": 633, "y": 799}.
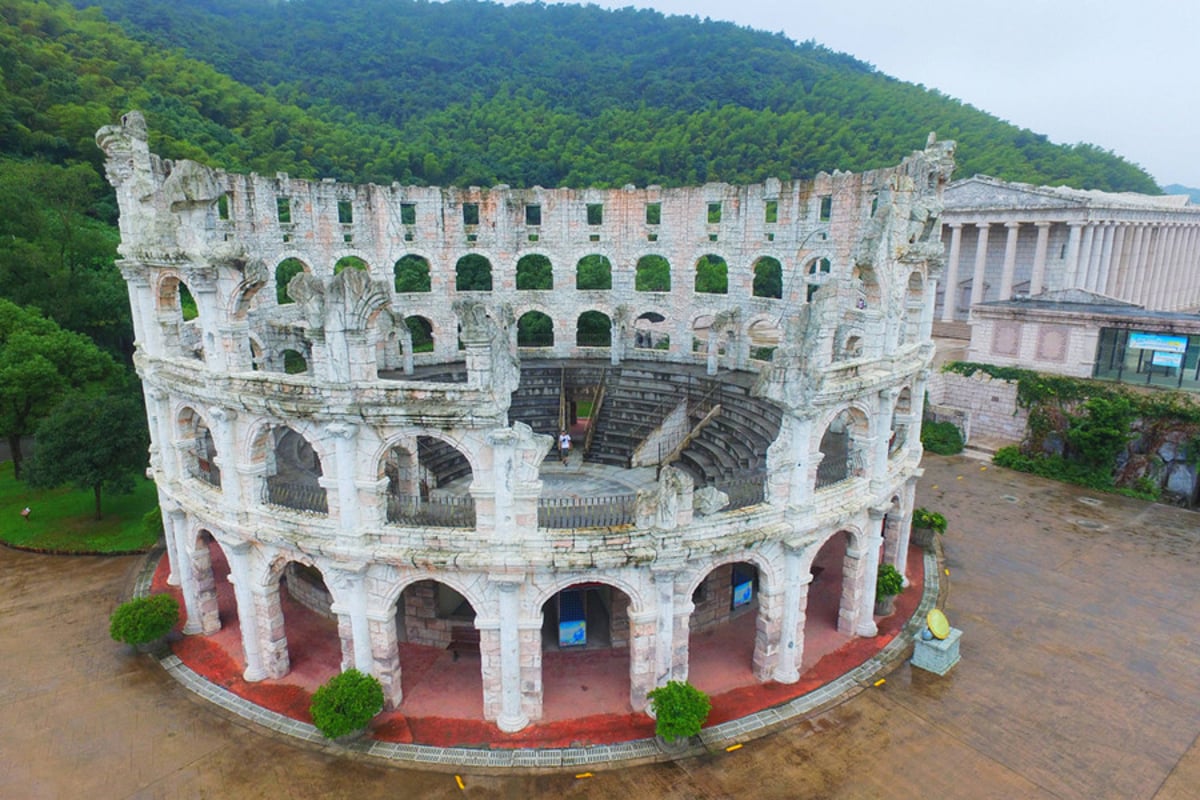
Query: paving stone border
{"x": 713, "y": 738}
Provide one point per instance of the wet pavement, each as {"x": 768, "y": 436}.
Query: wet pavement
{"x": 1080, "y": 678}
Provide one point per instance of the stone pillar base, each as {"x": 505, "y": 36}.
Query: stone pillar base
{"x": 937, "y": 655}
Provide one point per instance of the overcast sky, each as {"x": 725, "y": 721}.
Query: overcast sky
{"x": 1121, "y": 74}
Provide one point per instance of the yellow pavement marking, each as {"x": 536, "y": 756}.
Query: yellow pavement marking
{"x": 458, "y": 779}
{"x": 934, "y": 486}
{"x": 881, "y": 682}
{"x": 983, "y": 469}
{"x": 733, "y": 747}
{"x": 947, "y": 572}
{"x": 583, "y": 775}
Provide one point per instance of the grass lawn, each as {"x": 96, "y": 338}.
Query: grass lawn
{"x": 62, "y": 519}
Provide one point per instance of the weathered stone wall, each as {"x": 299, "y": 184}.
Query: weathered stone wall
{"x": 981, "y": 406}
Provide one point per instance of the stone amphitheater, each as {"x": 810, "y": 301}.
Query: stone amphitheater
{"x": 354, "y": 394}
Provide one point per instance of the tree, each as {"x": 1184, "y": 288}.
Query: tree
{"x": 40, "y": 364}
{"x": 92, "y": 443}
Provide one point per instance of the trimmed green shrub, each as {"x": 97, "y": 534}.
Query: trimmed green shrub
{"x": 680, "y": 710}
{"x": 942, "y": 438}
{"x": 346, "y": 703}
{"x": 144, "y": 619}
{"x": 889, "y": 581}
{"x": 924, "y": 518}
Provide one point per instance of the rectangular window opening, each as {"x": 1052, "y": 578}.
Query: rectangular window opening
{"x": 470, "y": 213}
{"x": 714, "y": 213}
{"x": 223, "y": 206}
{"x": 345, "y": 212}
{"x": 595, "y": 213}
{"x": 653, "y": 213}
{"x": 826, "y": 208}
{"x": 533, "y": 215}
{"x": 283, "y": 208}
{"x": 408, "y": 213}
{"x": 771, "y": 212}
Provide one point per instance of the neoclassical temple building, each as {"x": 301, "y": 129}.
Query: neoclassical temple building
{"x": 354, "y": 394}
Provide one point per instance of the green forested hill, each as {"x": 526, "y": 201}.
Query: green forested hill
{"x": 564, "y": 94}
{"x": 460, "y": 92}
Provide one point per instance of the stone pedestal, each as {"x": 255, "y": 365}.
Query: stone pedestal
{"x": 937, "y": 655}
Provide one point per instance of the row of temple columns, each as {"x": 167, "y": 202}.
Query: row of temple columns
{"x": 510, "y": 644}
{"x": 1150, "y": 264}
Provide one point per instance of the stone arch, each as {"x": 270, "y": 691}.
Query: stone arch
{"x": 764, "y": 334}
{"x": 593, "y": 329}
{"x": 637, "y": 603}
{"x": 534, "y": 273}
{"x": 294, "y": 361}
{"x": 843, "y": 434}
{"x": 411, "y": 273}
{"x": 712, "y": 275}
{"x": 351, "y": 261}
{"x": 190, "y": 426}
{"x": 762, "y": 563}
{"x": 300, "y": 599}
{"x": 423, "y": 333}
{"x": 409, "y": 439}
{"x": 652, "y": 274}
{"x": 914, "y": 307}
{"x": 901, "y": 422}
{"x": 244, "y": 296}
{"x": 835, "y": 587}
{"x": 179, "y": 316}
{"x": 397, "y": 586}
{"x": 593, "y": 272}
{"x": 850, "y": 344}
{"x": 535, "y": 329}
{"x": 866, "y": 285}
{"x": 651, "y": 331}
{"x": 768, "y": 278}
{"x": 473, "y": 273}
{"x": 285, "y": 270}
{"x": 292, "y": 460}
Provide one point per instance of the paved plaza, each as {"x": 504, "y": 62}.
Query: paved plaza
{"x": 1080, "y": 678}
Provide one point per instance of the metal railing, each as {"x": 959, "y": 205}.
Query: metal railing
{"x": 744, "y": 490}
{"x": 297, "y": 496}
{"x": 586, "y": 512}
{"x": 437, "y": 512}
{"x": 210, "y": 475}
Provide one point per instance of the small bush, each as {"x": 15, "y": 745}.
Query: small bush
{"x": 942, "y": 438}
{"x": 346, "y": 703}
{"x": 144, "y": 619}
{"x": 889, "y": 582}
{"x": 680, "y": 710}
{"x": 924, "y": 518}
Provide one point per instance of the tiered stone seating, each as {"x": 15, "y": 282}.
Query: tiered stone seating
{"x": 536, "y": 400}
{"x": 446, "y": 463}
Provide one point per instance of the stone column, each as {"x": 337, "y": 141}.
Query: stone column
{"x": 1103, "y": 258}
{"x": 231, "y": 483}
{"x": 345, "y": 445}
{"x": 512, "y": 717}
{"x": 977, "y": 293}
{"x": 1192, "y": 268}
{"x": 1010, "y": 260}
{"x": 680, "y": 636}
{"x": 248, "y": 610}
{"x": 872, "y": 542}
{"x": 795, "y": 604}
{"x": 1131, "y": 266}
{"x": 349, "y": 591}
{"x": 950, "y": 299}
{"x": 1071, "y": 272}
{"x": 713, "y": 352}
{"x": 180, "y": 564}
{"x": 642, "y": 626}
{"x": 907, "y": 505}
{"x": 883, "y": 435}
{"x": 158, "y": 408}
{"x": 664, "y": 635}
{"x": 790, "y": 476}
{"x": 1038, "y": 278}
{"x": 385, "y": 655}
{"x": 1115, "y": 264}
{"x": 925, "y": 331}
{"x": 616, "y": 346}
{"x": 1151, "y": 247}
{"x": 1162, "y": 268}
{"x": 1086, "y": 257}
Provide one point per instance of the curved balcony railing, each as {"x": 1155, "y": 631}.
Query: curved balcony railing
{"x": 296, "y": 496}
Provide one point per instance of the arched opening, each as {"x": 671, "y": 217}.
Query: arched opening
{"x": 534, "y": 273}
{"x": 294, "y": 362}
{"x": 723, "y": 626}
{"x": 585, "y": 651}
{"x": 180, "y": 315}
{"x": 850, "y": 348}
{"x": 824, "y": 625}
{"x": 593, "y": 329}
{"x": 651, "y": 332}
{"x": 202, "y": 456}
{"x": 712, "y": 275}
{"x": 411, "y": 274}
{"x": 287, "y": 269}
{"x": 473, "y": 273}
{"x": 901, "y": 420}
{"x": 841, "y": 448}
{"x": 441, "y": 670}
{"x": 350, "y": 262}
{"x": 310, "y": 628}
{"x": 768, "y": 278}
{"x": 593, "y": 272}
{"x": 293, "y": 471}
{"x": 914, "y": 307}
{"x": 653, "y": 274}
{"x": 701, "y": 331}
{"x": 819, "y": 266}
{"x": 428, "y": 481}
{"x": 764, "y": 336}
{"x": 422, "y": 334}
{"x": 535, "y": 329}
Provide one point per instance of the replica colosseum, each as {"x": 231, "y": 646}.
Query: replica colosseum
{"x": 356, "y": 393}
